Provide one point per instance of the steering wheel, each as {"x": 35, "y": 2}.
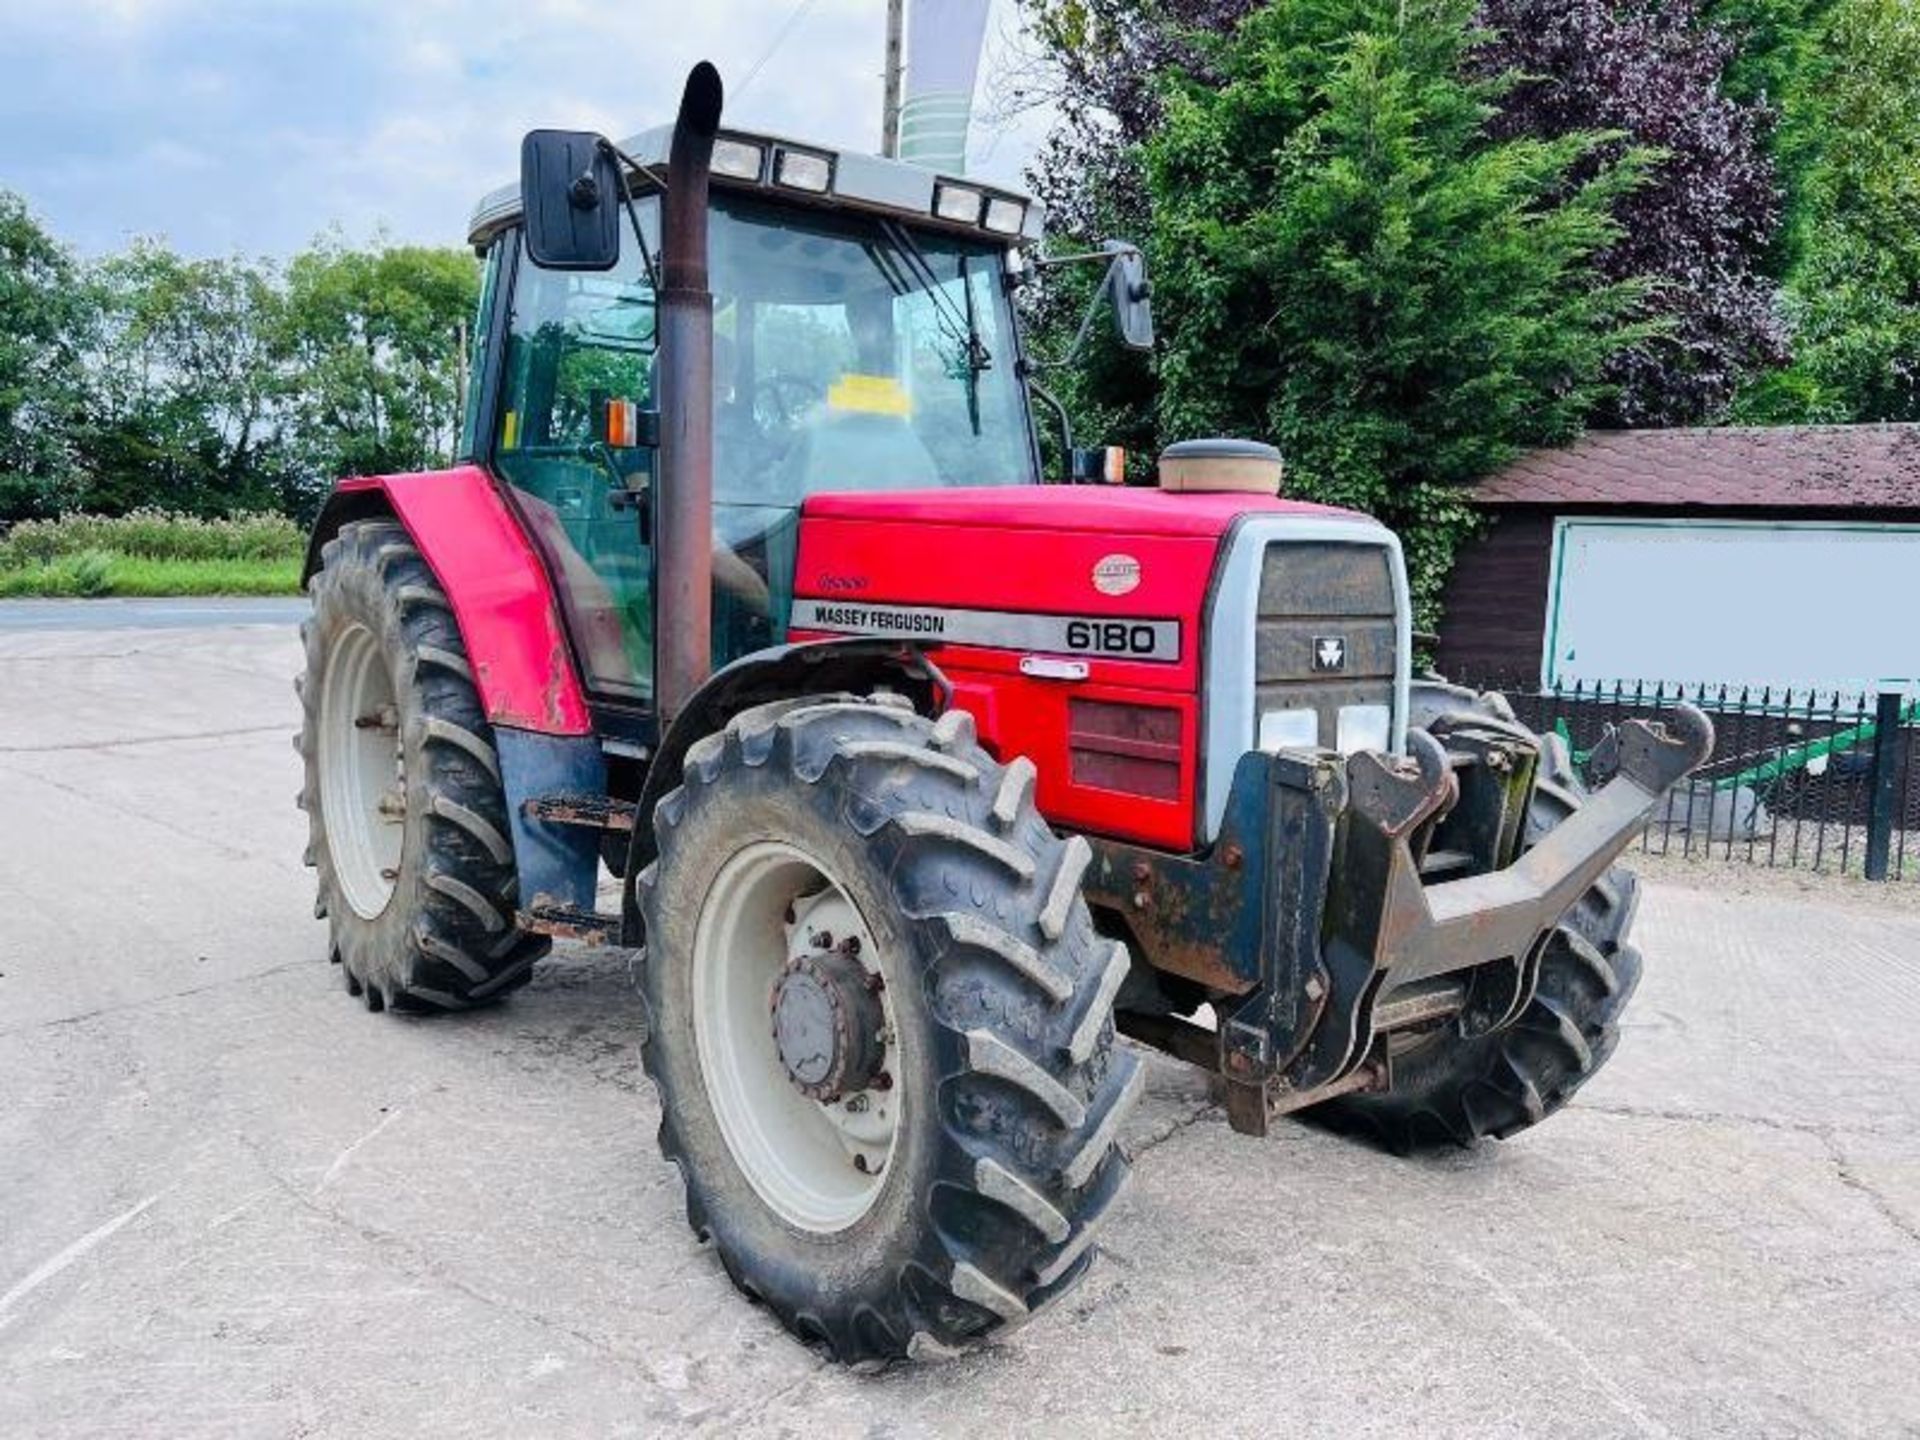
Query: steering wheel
{"x": 779, "y": 402}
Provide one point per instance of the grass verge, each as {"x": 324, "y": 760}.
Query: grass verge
{"x": 98, "y": 573}
{"x": 153, "y": 535}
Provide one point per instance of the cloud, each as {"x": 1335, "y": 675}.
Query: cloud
{"x": 246, "y": 126}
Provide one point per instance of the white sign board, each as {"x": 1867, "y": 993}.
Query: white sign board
{"x": 1736, "y": 602}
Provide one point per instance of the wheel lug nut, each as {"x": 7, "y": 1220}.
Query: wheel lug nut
{"x": 883, "y": 1081}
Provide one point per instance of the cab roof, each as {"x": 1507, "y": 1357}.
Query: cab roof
{"x": 873, "y": 183}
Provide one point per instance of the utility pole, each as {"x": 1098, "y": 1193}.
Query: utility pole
{"x": 890, "y": 103}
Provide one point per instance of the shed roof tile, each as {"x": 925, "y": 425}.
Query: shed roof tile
{"x": 1826, "y": 466}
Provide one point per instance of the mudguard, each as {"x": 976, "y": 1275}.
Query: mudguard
{"x": 812, "y": 667}
{"x": 501, "y": 596}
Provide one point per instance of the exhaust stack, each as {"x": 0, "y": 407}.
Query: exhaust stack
{"x": 683, "y": 646}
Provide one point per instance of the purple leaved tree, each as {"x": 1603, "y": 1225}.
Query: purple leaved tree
{"x": 1700, "y": 226}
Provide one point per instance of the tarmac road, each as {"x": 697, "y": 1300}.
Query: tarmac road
{"x": 234, "y": 1203}
{"x": 191, "y": 613}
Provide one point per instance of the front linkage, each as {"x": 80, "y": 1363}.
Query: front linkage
{"x": 1348, "y": 899}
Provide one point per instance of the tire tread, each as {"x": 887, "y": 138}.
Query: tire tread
{"x": 1033, "y": 1088}
{"x": 452, "y": 943}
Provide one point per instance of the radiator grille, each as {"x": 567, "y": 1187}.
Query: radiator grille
{"x": 1313, "y": 593}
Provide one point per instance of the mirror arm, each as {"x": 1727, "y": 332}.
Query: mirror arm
{"x": 1041, "y": 393}
{"x": 1079, "y": 257}
{"x": 633, "y": 212}
{"x": 1113, "y": 253}
{"x": 1086, "y": 323}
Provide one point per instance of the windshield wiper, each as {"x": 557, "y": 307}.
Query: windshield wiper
{"x": 963, "y": 327}
{"x": 977, "y": 359}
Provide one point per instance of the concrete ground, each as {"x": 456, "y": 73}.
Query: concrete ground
{"x": 233, "y": 1202}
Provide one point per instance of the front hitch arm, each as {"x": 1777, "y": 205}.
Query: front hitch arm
{"x": 1387, "y": 928}
{"x": 1310, "y": 909}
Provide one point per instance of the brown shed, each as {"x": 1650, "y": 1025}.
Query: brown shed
{"x": 1786, "y": 555}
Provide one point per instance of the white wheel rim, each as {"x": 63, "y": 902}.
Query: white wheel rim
{"x": 362, "y": 779}
{"x": 818, "y": 1166}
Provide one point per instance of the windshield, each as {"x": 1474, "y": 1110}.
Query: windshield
{"x": 849, "y": 354}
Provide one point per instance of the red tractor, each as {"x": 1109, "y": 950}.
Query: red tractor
{"x": 924, "y": 775}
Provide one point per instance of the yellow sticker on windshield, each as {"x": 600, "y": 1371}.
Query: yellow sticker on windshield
{"x": 869, "y": 395}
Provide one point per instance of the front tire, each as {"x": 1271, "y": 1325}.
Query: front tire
{"x": 993, "y": 1101}
{"x": 406, "y": 814}
{"x": 1450, "y": 1090}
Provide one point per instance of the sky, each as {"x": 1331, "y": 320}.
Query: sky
{"x": 250, "y": 127}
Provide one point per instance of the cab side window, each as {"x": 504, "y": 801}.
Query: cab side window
{"x": 482, "y": 325}
{"x": 579, "y": 362}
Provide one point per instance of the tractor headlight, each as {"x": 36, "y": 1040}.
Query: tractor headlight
{"x": 957, "y": 202}
{"x": 1289, "y": 730}
{"x": 1364, "y": 727}
{"x": 738, "y": 160}
{"x": 1004, "y": 216}
{"x": 800, "y": 170}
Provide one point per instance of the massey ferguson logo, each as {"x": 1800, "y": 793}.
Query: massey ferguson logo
{"x": 1116, "y": 575}
{"x": 1329, "y": 653}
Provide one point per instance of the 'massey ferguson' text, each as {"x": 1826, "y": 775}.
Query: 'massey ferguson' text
{"x": 861, "y": 617}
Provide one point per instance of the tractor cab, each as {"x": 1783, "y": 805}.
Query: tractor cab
{"x": 863, "y": 338}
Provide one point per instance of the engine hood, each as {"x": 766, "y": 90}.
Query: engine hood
{"x": 1096, "y": 631}
{"x": 1005, "y": 568}
{"x": 1089, "y": 509}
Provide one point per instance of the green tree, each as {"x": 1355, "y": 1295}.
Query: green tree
{"x": 1852, "y": 244}
{"x": 1348, "y": 264}
{"x": 187, "y": 375}
{"x": 1777, "y": 40}
{"x": 43, "y": 318}
{"x": 373, "y": 338}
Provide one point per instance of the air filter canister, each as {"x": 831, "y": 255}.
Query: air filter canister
{"x": 1211, "y": 465}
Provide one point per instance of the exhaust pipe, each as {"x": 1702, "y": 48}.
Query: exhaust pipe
{"x": 683, "y": 564}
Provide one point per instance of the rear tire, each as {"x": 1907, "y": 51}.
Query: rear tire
{"x": 407, "y": 819}
{"x": 1006, "y": 1085}
{"x": 1453, "y": 1090}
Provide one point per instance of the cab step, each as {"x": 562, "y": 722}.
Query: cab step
{"x": 590, "y": 812}
{"x": 565, "y": 924}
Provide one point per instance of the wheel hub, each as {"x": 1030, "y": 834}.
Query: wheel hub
{"x": 363, "y": 782}
{"x": 828, "y": 1024}
{"x": 799, "y": 1046}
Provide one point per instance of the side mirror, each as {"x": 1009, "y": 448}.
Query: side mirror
{"x": 570, "y": 194}
{"x": 1132, "y": 294}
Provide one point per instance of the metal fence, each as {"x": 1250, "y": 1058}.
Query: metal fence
{"x": 1816, "y": 780}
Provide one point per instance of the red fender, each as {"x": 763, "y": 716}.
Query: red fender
{"x": 501, "y": 596}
